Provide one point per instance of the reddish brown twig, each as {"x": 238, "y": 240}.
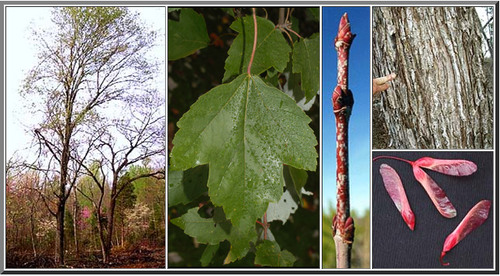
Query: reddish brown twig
{"x": 342, "y": 99}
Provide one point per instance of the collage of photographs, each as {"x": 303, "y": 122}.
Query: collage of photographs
{"x": 280, "y": 138}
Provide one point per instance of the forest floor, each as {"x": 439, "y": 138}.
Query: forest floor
{"x": 136, "y": 258}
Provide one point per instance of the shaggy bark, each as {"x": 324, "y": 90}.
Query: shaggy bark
{"x": 441, "y": 98}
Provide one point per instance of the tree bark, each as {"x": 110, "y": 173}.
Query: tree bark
{"x": 440, "y": 98}
{"x": 102, "y": 236}
{"x": 76, "y": 220}
{"x": 60, "y": 234}
{"x": 111, "y": 217}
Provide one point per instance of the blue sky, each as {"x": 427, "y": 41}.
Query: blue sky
{"x": 359, "y": 124}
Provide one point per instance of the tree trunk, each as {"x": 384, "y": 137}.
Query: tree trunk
{"x": 32, "y": 230}
{"x": 76, "y": 219}
{"x": 60, "y": 234}
{"x": 441, "y": 98}
{"x": 102, "y": 236}
{"x": 111, "y": 215}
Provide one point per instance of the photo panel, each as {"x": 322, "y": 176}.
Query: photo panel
{"x": 333, "y": 138}
{"x": 346, "y": 134}
{"x": 244, "y": 131}
{"x": 420, "y": 198}
{"x": 85, "y": 137}
{"x": 438, "y": 66}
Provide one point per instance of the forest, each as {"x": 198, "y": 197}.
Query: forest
{"x": 88, "y": 190}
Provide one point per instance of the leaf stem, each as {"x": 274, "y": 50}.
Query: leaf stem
{"x": 254, "y": 41}
{"x": 265, "y": 226}
{"x": 293, "y": 32}
{"x": 392, "y": 157}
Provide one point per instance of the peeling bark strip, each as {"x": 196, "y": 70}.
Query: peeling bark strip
{"x": 441, "y": 98}
{"x": 474, "y": 218}
{"x": 342, "y": 223}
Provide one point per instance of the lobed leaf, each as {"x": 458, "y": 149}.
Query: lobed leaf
{"x": 269, "y": 254}
{"x": 245, "y": 130}
{"x": 396, "y": 191}
{"x": 436, "y": 194}
{"x": 187, "y": 35}
{"x": 272, "y": 49}
{"x": 450, "y": 167}
{"x": 474, "y": 218}
{"x": 306, "y": 62}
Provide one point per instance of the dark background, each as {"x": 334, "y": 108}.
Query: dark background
{"x": 396, "y": 246}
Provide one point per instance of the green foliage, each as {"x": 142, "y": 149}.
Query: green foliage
{"x": 208, "y": 254}
{"x": 297, "y": 177}
{"x": 272, "y": 49}
{"x": 187, "y": 35}
{"x": 186, "y": 186}
{"x": 269, "y": 254}
{"x": 306, "y": 62}
{"x": 205, "y": 230}
{"x": 246, "y": 130}
{"x": 314, "y": 12}
{"x": 243, "y": 132}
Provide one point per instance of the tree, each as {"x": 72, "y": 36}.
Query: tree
{"x": 126, "y": 142}
{"x": 440, "y": 98}
{"x": 92, "y": 56}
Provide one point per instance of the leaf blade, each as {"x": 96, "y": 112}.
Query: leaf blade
{"x": 272, "y": 49}
{"x": 185, "y": 186}
{"x": 187, "y": 35}
{"x": 205, "y": 230}
{"x": 246, "y": 130}
{"x": 208, "y": 254}
{"x": 306, "y": 62}
{"x": 269, "y": 254}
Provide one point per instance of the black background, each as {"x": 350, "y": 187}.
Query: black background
{"x": 396, "y": 246}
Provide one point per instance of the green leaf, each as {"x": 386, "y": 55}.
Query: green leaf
{"x": 245, "y": 130}
{"x": 241, "y": 235}
{"x": 298, "y": 177}
{"x": 173, "y": 9}
{"x": 216, "y": 229}
{"x": 269, "y": 254}
{"x": 292, "y": 88}
{"x": 187, "y": 35}
{"x": 185, "y": 186}
{"x": 315, "y": 13}
{"x": 208, "y": 254}
{"x": 272, "y": 49}
{"x": 228, "y": 11}
{"x": 306, "y": 62}
{"x": 205, "y": 230}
